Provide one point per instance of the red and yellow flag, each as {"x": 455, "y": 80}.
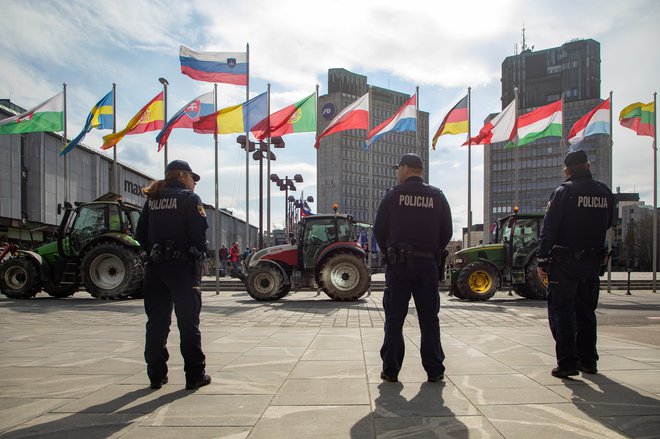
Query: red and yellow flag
{"x": 150, "y": 118}
{"x": 455, "y": 122}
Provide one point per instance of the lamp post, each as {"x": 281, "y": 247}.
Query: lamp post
{"x": 285, "y": 185}
{"x": 165, "y": 84}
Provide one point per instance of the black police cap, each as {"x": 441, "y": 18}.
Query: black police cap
{"x": 180, "y": 165}
{"x": 574, "y": 158}
{"x": 412, "y": 160}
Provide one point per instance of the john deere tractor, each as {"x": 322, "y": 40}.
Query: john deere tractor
{"x": 95, "y": 247}
{"x": 476, "y": 273}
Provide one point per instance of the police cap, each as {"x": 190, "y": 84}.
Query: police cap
{"x": 574, "y": 158}
{"x": 412, "y": 160}
{"x": 180, "y": 165}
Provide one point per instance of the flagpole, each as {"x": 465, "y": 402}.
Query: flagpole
{"x": 611, "y": 230}
{"x": 216, "y": 223}
{"x": 418, "y": 147}
{"x": 515, "y": 94}
{"x": 114, "y": 130}
{"x": 469, "y": 185}
{"x": 268, "y": 243}
{"x": 247, "y": 152}
{"x": 655, "y": 189}
{"x": 66, "y": 159}
{"x": 165, "y": 84}
{"x": 371, "y": 187}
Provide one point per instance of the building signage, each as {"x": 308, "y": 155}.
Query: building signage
{"x": 133, "y": 188}
{"x": 328, "y": 111}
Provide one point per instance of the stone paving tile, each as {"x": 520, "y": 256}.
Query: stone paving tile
{"x": 419, "y": 400}
{"x": 313, "y": 391}
{"x": 171, "y": 432}
{"x": 436, "y": 427}
{"x": 14, "y": 411}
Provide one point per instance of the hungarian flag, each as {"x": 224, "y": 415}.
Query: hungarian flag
{"x": 543, "y": 122}
{"x": 297, "y": 118}
{"x": 45, "y": 117}
{"x": 501, "y": 128}
{"x": 150, "y": 118}
{"x": 597, "y": 121}
{"x": 640, "y": 118}
{"x": 236, "y": 119}
{"x": 455, "y": 122}
{"x": 355, "y": 116}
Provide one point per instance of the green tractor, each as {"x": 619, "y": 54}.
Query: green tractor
{"x": 476, "y": 273}
{"x": 95, "y": 247}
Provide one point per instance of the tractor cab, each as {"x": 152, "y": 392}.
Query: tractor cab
{"x": 317, "y": 233}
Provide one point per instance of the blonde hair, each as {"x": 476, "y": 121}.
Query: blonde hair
{"x": 157, "y": 187}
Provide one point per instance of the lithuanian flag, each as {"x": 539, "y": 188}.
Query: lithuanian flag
{"x": 640, "y": 118}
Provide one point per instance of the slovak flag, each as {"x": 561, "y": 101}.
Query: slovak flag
{"x": 597, "y": 121}
{"x": 405, "y": 119}
{"x": 184, "y": 118}
{"x": 355, "y": 116}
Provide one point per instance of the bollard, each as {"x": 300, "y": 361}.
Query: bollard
{"x": 628, "y": 293}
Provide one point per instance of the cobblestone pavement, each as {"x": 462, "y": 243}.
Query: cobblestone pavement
{"x": 308, "y": 367}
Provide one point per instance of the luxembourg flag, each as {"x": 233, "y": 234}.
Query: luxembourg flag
{"x": 597, "y": 121}
{"x": 403, "y": 120}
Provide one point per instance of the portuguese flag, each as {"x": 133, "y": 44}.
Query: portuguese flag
{"x": 47, "y": 116}
{"x": 640, "y": 118}
{"x": 297, "y": 118}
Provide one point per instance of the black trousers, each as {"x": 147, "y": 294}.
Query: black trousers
{"x": 420, "y": 281}
{"x": 168, "y": 286}
{"x": 573, "y": 291}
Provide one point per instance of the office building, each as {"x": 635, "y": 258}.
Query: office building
{"x": 526, "y": 176}
{"x": 343, "y": 174}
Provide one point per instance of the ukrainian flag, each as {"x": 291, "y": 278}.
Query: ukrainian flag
{"x": 101, "y": 118}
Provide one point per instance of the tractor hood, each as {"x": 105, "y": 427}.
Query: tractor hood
{"x": 287, "y": 254}
{"x": 480, "y": 248}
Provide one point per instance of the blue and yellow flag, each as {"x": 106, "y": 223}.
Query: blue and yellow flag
{"x": 100, "y": 117}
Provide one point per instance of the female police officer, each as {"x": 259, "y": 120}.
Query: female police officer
{"x": 172, "y": 230}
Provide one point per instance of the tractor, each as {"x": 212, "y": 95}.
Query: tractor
{"x": 326, "y": 255}
{"x": 476, "y": 273}
{"x": 95, "y": 247}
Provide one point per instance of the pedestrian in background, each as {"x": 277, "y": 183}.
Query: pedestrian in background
{"x": 234, "y": 256}
{"x": 224, "y": 254}
{"x": 172, "y": 230}
{"x": 571, "y": 253}
{"x": 413, "y": 225}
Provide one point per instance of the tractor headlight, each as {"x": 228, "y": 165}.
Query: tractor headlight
{"x": 458, "y": 261}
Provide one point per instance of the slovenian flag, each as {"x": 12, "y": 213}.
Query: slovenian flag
{"x": 184, "y": 118}
{"x": 237, "y": 119}
{"x": 597, "y": 121}
{"x": 353, "y": 117}
{"x": 224, "y": 67}
{"x": 405, "y": 119}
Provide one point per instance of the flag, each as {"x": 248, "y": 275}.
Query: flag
{"x": 184, "y": 118}
{"x": 543, "y": 122}
{"x": 225, "y": 67}
{"x": 305, "y": 210}
{"x": 297, "y": 118}
{"x": 455, "y": 122}
{"x": 150, "y": 118}
{"x": 237, "y": 119}
{"x": 353, "y": 117}
{"x": 640, "y": 118}
{"x": 597, "y": 121}
{"x": 500, "y": 129}
{"x": 405, "y": 119}
{"x": 100, "y": 118}
{"x": 47, "y": 116}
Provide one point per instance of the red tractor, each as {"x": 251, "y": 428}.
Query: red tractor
{"x": 326, "y": 255}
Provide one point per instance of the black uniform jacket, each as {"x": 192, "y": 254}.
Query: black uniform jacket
{"x": 413, "y": 213}
{"x": 178, "y": 215}
{"x": 578, "y": 215}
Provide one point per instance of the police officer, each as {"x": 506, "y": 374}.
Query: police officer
{"x": 172, "y": 230}
{"x": 413, "y": 224}
{"x": 571, "y": 253}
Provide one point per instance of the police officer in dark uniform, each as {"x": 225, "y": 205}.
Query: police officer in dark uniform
{"x": 172, "y": 230}
{"x": 571, "y": 253}
{"x": 413, "y": 225}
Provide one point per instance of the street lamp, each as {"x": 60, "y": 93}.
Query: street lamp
{"x": 165, "y": 84}
{"x": 285, "y": 185}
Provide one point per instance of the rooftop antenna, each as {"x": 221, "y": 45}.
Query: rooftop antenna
{"x": 524, "y": 44}
{"x": 515, "y": 48}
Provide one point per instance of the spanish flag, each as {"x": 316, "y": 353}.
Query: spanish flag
{"x": 150, "y": 118}
{"x": 455, "y": 122}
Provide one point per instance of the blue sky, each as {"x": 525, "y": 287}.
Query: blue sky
{"x": 442, "y": 48}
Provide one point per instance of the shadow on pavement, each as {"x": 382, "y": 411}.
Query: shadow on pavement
{"x": 97, "y": 422}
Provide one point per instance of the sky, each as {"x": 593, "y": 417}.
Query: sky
{"x": 443, "y": 48}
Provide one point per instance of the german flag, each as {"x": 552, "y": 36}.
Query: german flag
{"x": 455, "y": 122}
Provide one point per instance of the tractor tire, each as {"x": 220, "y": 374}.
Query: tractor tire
{"x": 19, "y": 278}
{"x": 344, "y": 277}
{"x": 265, "y": 283}
{"x": 477, "y": 281}
{"x": 534, "y": 288}
{"x": 455, "y": 291}
{"x": 60, "y": 290}
{"x": 111, "y": 271}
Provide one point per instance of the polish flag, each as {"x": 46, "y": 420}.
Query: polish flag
{"x": 355, "y": 116}
{"x": 597, "y": 121}
{"x": 501, "y": 128}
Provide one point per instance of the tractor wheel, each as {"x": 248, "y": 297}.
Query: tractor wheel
{"x": 265, "y": 283}
{"x": 344, "y": 277}
{"x": 111, "y": 271}
{"x": 477, "y": 281}
{"x": 19, "y": 278}
{"x": 534, "y": 287}
{"x": 60, "y": 290}
{"x": 455, "y": 291}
